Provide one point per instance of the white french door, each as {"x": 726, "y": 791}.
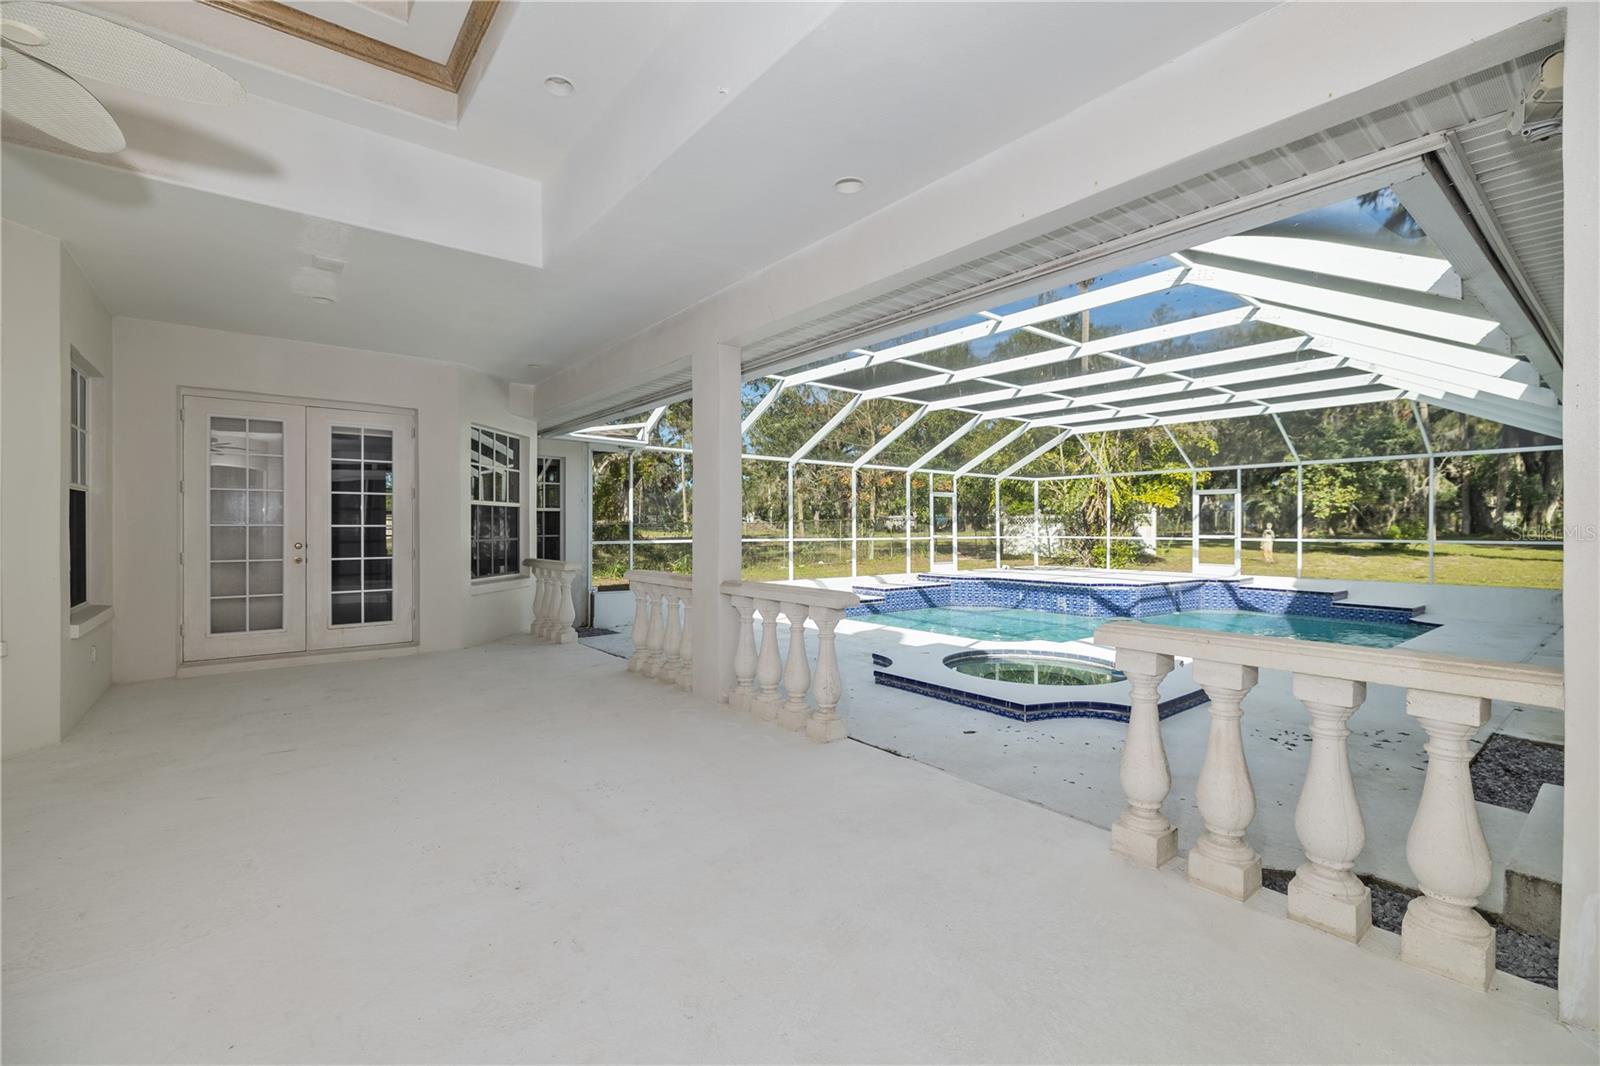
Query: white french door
{"x": 298, "y": 528}
{"x": 359, "y": 480}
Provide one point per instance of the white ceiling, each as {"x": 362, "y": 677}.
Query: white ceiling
{"x": 701, "y": 146}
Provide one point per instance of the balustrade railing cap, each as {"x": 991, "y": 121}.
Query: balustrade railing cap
{"x": 808, "y": 595}
{"x": 563, "y": 565}
{"x": 660, "y": 577}
{"x": 1540, "y": 686}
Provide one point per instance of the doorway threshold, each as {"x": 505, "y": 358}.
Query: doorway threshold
{"x": 299, "y": 658}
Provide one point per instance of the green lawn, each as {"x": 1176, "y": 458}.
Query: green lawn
{"x": 1500, "y": 566}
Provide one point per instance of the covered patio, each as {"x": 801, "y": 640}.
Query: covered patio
{"x": 363, "y": 878}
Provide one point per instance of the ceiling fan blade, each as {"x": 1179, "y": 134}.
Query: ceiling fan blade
{"x": 86, "y": 46}
{"x": 53, "y": 103}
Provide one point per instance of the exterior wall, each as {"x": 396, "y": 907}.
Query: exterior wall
{"x": 86, "y": 332}
{"x": 34, "y": 537}
{"x": 47, "y": 679}
{"x": 505, "y": 605}
{"x": 156, "y": 359}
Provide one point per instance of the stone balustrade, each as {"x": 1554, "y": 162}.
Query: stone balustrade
{"x": 1448, "y": 695}
{"x": 663, "y": 640}
{"x": 553, "y": 613}
{"x": 786, "y": 688}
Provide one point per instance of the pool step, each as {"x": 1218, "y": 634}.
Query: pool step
{"x": 1410, "y": 610}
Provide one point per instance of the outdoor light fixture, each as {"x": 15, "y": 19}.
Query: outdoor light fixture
{"x": 556, "y": 85}
{"x": 848, "y": 186}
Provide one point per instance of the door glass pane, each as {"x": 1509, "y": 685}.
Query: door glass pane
{"x": 1215, "y": 517}
{"x": 361, "y": 526}
{"x": 245, "y": 497}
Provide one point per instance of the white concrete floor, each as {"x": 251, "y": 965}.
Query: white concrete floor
{"x": 521, "y": 852}
{"x": 1072, "y": 765}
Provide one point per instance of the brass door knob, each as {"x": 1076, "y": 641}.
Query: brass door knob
{"x": 298, "y": 559}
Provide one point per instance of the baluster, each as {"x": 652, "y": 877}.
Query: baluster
{"x": 796, "y": 671}
{"x": 1441, "y": 931}
{"x": 641, "y": 626}
{"x": 1142, "y": 833}
{"x": 564, "y": 613}
{"x": 656, "y": 626}
{"x": 1220, "y": 859}
{"x": 825, "y": 724}
{"x": 686, "y": 646}
{"x": 537, "y": 628}
{"x": 1325, "y": 893}
{"x": 667, "y": 668}
{"x": 744, "y": 656}
{"x": 769, "y": 669}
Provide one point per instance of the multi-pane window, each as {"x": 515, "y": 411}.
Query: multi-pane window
{"x": 496, "y": 495}
{"x": 78, "y": 494}
{"x": 547, "y": 510}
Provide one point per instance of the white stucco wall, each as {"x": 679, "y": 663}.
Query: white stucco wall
{"x": 47, "y": 679}
{"x": 497, "y": 607}
{"x": 155, "y": 360}
{"x": 86, "y": 336}
{"x": 32, "y": 574}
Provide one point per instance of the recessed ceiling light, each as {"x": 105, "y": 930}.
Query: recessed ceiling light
{"x": 849, "y": 186}
{"x": 556, "y": 85}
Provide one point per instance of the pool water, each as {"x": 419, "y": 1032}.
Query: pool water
{"x": 993, "y": 623}
{"x": 1024, "y": 669}
{"x": 1298, "y": 626}
{"x": 1016, "y": 623}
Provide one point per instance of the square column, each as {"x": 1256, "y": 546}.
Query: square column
{"x": 1578, "y": 985}
{"x": 718, "y": 445}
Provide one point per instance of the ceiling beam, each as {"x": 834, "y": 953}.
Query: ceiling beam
{"x": 942, "y": 445}
{"x": 1036, "y": 453}
{"x": 984, "y": 455}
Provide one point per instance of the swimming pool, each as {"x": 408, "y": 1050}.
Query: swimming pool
{"x": 1298, "y": 626}
{"x": 1021, "y": 623}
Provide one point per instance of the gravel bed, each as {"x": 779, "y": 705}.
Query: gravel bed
{"x": 1520, "y": 954}
{"x": 1507, "y": 771}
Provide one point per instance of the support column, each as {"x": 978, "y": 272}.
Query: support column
{"x": 1446, "y": 848}
{"x": 1142, "y": 833}
{"x": 1325, "y": 893}
{"x": 1578, "y": 983}
{"x": 1220, "y": 859}
{"x": 718, "y": 444}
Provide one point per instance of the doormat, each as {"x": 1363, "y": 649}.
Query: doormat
{"x": 595, "y": 631}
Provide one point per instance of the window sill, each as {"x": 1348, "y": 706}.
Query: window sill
{"x": 86, "y": 618}
{"x": 485, "y": 585}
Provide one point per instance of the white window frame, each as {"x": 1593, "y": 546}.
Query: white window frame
{"x": 477, "y": 431}
{"x": 539, "y": 507}
{"x": 78, "y": 422}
